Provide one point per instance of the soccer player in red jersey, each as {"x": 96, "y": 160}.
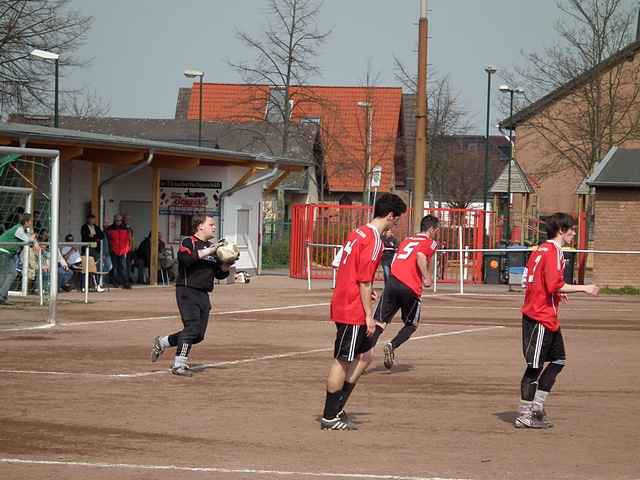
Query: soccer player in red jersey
{"x": 542, "y": 341}
{"x": 410, "y": 270}
{"x": 351, "y": 308}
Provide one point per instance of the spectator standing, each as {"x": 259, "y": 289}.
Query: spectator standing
{"x": 119, "y": 249}
{"x": 130, "y": 258}
{"x": 90, "y": 232}
{"x": 390, "y": 243}
{"x": 143, "y": 257}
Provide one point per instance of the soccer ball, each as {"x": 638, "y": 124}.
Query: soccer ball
{"x": 227, "y": 252}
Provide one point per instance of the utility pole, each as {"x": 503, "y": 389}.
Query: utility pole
{"x": 420, "y": 164}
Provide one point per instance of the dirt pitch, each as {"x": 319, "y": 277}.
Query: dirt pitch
{"x": 83, "y": 401}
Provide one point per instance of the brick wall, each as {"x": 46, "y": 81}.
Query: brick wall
{"x": 617, "y": 227}
{"x": 549, "y": 130}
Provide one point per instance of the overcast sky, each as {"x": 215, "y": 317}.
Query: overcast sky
{"x": 140, "y": 47}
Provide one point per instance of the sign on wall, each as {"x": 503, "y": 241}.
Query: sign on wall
{"x": 376, "y": 176}
{"x": 187, "y": 197}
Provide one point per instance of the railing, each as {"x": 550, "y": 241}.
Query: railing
{"x": 40, "y": 271}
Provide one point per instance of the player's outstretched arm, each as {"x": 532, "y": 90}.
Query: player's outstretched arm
{"x": 592, "y": 290}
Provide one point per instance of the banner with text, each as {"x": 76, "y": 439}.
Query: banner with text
{"x": 188, "y": 197}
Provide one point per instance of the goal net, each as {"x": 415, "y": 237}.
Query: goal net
{"x": 29, "y": 186}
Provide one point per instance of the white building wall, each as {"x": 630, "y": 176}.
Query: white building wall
{"x": 75, "y": 199}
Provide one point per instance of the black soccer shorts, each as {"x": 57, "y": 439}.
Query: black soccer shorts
{"x": 540, "y": 345}
{"x": 397, "y": 296}
{"x": 351, "y": 341}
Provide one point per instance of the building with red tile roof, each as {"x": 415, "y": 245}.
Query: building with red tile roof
{"x": 341, "y": 113}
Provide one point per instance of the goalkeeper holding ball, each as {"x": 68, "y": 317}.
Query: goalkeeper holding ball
{"x": 199, "y": 262}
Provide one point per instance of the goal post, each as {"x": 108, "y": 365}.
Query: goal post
{"x": 53, "y": 158}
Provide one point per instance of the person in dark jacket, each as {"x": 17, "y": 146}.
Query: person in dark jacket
{"x": 390, "y": 246}
{"x": 119, "y": 250}
{"x": 198, "y": 266}
{"x": 143, "y": 257}
{"x": 90, "y": 232}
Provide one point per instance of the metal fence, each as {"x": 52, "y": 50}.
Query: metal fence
{"x": 317, "y": 229}
{"x": 275, "y": 230}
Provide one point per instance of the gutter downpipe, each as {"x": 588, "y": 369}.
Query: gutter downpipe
{"x": 129, "y": 171}
{"x": 232, "y": 190}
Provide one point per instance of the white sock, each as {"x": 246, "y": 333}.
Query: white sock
{"x": 525, "y": 407}
{"x": 164, "y": 342}
{"x": 180, "y": 361}
{"x": 538, "y": 400}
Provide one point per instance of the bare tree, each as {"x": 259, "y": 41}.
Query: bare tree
{"x": 285, "y": 56}
{"x": 26, "y": 84}
{"x": 602, "y": 108}
{"x": 86, "y": 104}
{"x": 358, "y": 159}
{"x": 460, "y": 182}
{"x": 447, "y": 118}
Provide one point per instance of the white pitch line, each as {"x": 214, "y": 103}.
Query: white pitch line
{"x": 20, "y": 329}
{"x": 227, "y": 362}
{"x": 468, "y": 307}
{"x": 121, "y": 320}
{"x": 269, "y": 309}
{"x": 76, "y": 374}
{"x": 457, "y": 332}
{"x": 170, "y": 317}
{"x": 482, "y": 307}
{"x": 432, "y": 295}
{"x": 244, "y": 471}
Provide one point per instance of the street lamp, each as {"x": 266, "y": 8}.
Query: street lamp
{"x": 511, "y": 92}
{"x": 194, "y": 74}
{"x": 55, "y": 57}
{"x": 490, "y": 71}
{"x": 368, "y": 106}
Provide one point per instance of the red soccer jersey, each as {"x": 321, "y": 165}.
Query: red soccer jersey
{"x": 405, "y": 263}
{"x": 543, "y": 278}
{"x": 360, "y": 258}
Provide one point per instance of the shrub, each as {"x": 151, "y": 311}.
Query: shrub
{"x": 620, "y": 291}
{"x": 276, "y": 254}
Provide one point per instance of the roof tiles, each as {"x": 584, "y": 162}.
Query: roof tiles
{"x": 343, "y": 123}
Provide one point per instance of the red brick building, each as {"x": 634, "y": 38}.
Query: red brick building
{"x": 561, "y": 121}
{"x": 616, "y": 180}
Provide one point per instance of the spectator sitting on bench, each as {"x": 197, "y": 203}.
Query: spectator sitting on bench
{"x": 64, "y": 272}
{"x": 74, "y": 260}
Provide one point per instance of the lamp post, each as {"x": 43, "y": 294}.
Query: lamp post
{"x": 490, "y": 71}
{"x": 45, "y": 55}
{"x": 368, "y": 106}
{"x": 511, "y": 92}
{"x": 194, "y": 74}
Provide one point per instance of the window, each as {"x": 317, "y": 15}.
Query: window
{"x": 310, "y": 121}
{"x": 243, "y": 227}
